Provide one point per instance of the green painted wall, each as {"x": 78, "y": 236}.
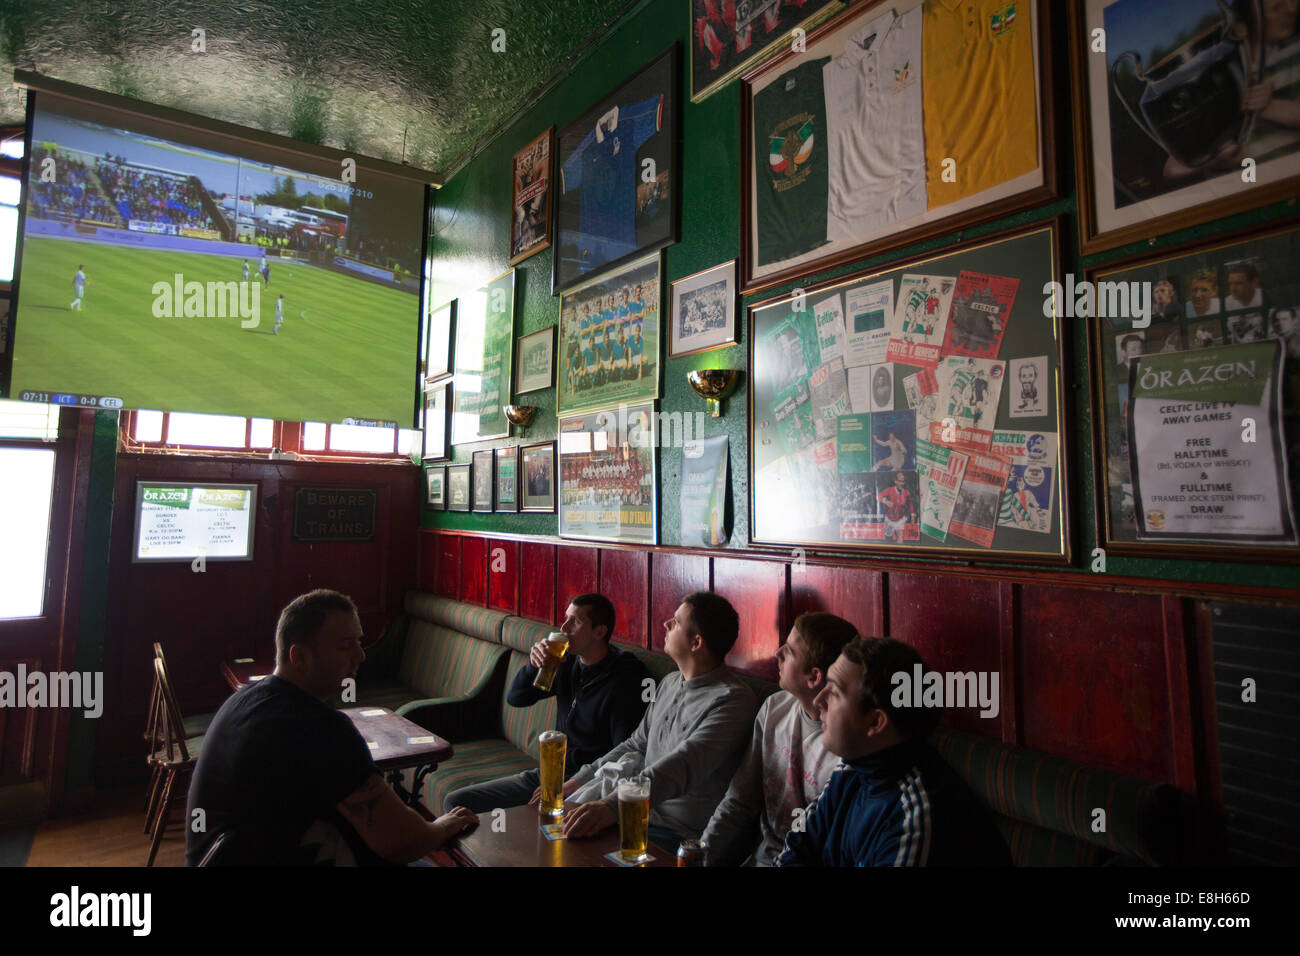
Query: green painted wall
{"x": 471, "y": 236}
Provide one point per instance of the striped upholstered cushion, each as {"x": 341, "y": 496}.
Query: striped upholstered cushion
{"x": 1048, "y": 804}
{"x": 384, "y": 693}
{"x": 440, "y": 662}
{"x": 521, "y": 725}
{"x": 476, "y": 761}
{"x": 467, "y": 618}
{"x": 521, "y": 634}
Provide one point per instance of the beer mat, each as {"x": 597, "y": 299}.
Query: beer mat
{"x": 553, "y": 831}
{"x": 243, "y": 660}
{"x": 256, "y": 677}
{"x": 616, "y": 857}
{"x": 420, "y": 740}
{"x": 372, "y": 745}
{"x": 376, "y": 712}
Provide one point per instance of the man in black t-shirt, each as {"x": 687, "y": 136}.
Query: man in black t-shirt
{"x": 281, "y": 772}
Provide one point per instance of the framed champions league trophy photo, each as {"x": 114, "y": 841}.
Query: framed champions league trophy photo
{"x": 704, "y": 311}
{"x": 1190, "y": 112}
{"x": 1197, "y": 423}
{"x": 877, "y": 132}
{"x": 619, "y": 183}
{"x": 918, "y": 408}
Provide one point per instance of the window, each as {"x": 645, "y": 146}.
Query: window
{"x": 10, "y": 187}
{"x": 26, "y": 490}
{"x": 191, "y": 433}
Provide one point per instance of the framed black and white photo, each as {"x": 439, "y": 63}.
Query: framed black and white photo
{"x": 506, "y": 495}
{"x": 458, "y": 488}
{"x": 619, "y": 184}
{"x": 538, "y": 477}
{"x": 482, "y": 475}
{"x": 437, "y": 421}
{"x": 535, "y": 358}
{"x": 704, "y": 311}
{"x": 435, "y": 487}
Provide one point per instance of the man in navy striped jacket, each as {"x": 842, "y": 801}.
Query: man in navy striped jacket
{"x": 895, "y": 802}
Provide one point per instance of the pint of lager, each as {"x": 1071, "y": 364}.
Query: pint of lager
{"x": 553, "y": 744}
{"x": 556, "y": 645}
{"x": 634, "y": 818}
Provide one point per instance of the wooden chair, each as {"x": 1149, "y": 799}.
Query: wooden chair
{"x": 195, "y": 728}
{"x": 174, "y": 759}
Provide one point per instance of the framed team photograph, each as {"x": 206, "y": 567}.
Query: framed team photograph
{"x": 1191, "y": 112}
{"x": 484, "y": 362}
{"x": 530, "y": 202}
{"x": 507, "y": 480}
{"x": 439, "y": 344}
{"x": 535, "y": 361}
{"x": 619, "y": 186}
{"x": 835, "y": 169}
{"x": 458, "y": 488}
{"x": 435, "y": 487}
{"x": 726, "y": 43}
{"x": 704, "y": 311}
{"x": 538, "y": 470}
{"x": 437, "y": 421}
{"x": 1179, "y": 471}
{"x": 919, "y": 407}
{"x": 482, "y": 475}
{"x": 609, "y": 339}
{"x": 608, "y": 477}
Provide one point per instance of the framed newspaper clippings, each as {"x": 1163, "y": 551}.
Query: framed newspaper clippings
{"x": 918, "y": 408}
{"x": 1195, "y": 355}
{"x": 1191, "y": 112}
{"x": 619, "y": 180}
{"x": 895, "y": 122}
{"x": 435, "y": 485}
{"x": 507, "y": 481}
{"x": 530, "y": 197}
{"x": 484, "y": 362}
{"x": 482, "y": 475}
{"x": 608, "y": 476}
{"x": 704, "y": 311}
{"x": 458, "y": 488}
{"x": 725, "y": 43}
{"x": 609, "y": 339}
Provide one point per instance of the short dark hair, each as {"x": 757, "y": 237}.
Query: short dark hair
{"x": 715, "y": 620}
{"x": 601, "y": 611}
{"x": 825, "y": 635}
{"x": 880, "y": 659}
{"x": 1245, "y": 268}
{"x": 304, "y": 616}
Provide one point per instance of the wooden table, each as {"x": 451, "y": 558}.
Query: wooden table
{"x": 522, "y": 843}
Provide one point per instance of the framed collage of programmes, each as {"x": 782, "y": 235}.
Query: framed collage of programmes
{"x": 1197, "y": 387}
{"x": 876, "y": 135}
{"x": 1189, "y": 111}
{"x": 918, "y": 408}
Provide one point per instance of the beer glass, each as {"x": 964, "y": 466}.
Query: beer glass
{"x": 556, "y": 645}
{"x": 634, "y": 818}
{"x": 553, "y": 744}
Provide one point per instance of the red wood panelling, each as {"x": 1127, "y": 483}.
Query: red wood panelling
{"x": 757, "y": 592}
{"x": 575, "y": 573}
{"x": 1178, "y": 636}
{"x": 473, "y": 570}
{"x": 537, "y": 582}
{"x": 427, "y": 573}
{"x": 624, "y": 579}
{"x": 852, "y": 593}
{"x": 672, "y": 577}
{"x": 1093, "y": 679}
{"x": 448, "y": 565}
{"x": 954, "y": 624}
{"x": 503, "y": 575}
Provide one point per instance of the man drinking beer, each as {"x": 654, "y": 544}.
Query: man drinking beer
{"x": 598, "y": 690}
{"x": 691, "y": 737}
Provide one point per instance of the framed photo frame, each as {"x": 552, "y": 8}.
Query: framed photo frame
{"x": 485, "y": 363}
{"x": 901, "y": 160}
{"x": 619, "y": 188}
{"x": 435, "y": 487}
{"x": 437, "y": 421}
{"x": 482, "y": 475}
{"x": 439, "y": 344}
{"x": 530, "y": 197}
{"x": 506, "y": 495}
{"x": 535, "y": 361}
{"x": 609, "y": 339}
{"x": 704, "y": 311}
{"x": 538, "y": 473}
{"x": 1174, "y": 387}
{"x": 863, "y": 436}
{"x": 1188, "y": 114}
{"x": 458, "y": 488}
{"x": 722, "y": 48}
{"x": 608, "y": 476}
